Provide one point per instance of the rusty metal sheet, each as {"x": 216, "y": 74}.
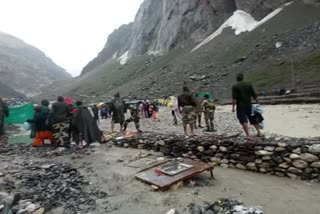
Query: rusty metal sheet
{"x": 154, "y": 176}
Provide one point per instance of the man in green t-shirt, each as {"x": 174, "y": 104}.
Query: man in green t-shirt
{"x": 242, "y": 92}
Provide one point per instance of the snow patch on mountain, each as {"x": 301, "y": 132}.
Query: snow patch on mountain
{"x": 241, "y": 22}
{"x": 115, "y": 55}
{"x": 124, "y": 58}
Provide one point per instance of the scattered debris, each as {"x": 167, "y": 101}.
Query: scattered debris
{"x": 224, "y": 206}
{"x": 45, "y": 186}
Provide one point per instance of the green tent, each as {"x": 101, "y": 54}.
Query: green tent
{"x": 201, "y": 94}
{"x": 19, "y": 114}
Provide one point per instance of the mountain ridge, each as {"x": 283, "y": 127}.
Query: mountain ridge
{"x": 172, "y": 22}
{"x": 24, "y": 68}
{"x": 266, "y": 55}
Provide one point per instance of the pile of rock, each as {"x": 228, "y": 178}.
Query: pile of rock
{"x": 224, "y": 206}
{"x": 295, "y": 158}
{"x": 50, "y": 185}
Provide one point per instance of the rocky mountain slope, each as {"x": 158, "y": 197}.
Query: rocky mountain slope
{"x": 205, "y": 44}
{"x": 24, "y": 68}
{"x": 6, "y": 91}
{"x": 161, "y": 25}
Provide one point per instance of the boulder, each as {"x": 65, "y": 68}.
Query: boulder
{"x": 213, "y": 148}
{"x": 225, "y": 161}
{"x": 297, "y": 150}
{"x": 300, "y": 164}
{"x": 258, "y": 161}
{"x": 315, "y": 149}
{"x": 216, "y": 160}
{"x": 240, "y": 166}
{"x": 223, "y": 149}
{"x": 315, "y": 164}
{"x": 309, "y": 157}
{"x": 294, "y": 157}
{"x": 284, "y": 165}
{"x": 263, "y": 153}
{"x": 294, "y": 170}
{"x": 251, "y": 166}
{"x": 280, "y": 149}
{"x": 266, "y": 157}
{"x": 269, "y": 148}
{"x": 282, "y": 144}
{"x": 200, "y": 148}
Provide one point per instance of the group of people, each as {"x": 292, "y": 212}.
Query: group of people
{"x": 139, "y": 110}
{"x": 64, "y": 123}
{"x": 192, "y": 108}
{"x": 148, "y": 110}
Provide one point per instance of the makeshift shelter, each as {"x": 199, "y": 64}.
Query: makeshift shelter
{"x": 19, "y": 114}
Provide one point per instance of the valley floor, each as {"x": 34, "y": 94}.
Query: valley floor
{"x": 300, "y": 121}
{"x": 107, "y": 168}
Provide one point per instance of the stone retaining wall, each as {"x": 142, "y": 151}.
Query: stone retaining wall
{"x": 295, "y": 158}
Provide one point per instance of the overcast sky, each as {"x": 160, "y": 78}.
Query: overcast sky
{"x": 71, "y": 32}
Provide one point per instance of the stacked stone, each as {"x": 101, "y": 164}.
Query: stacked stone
{"x": 294, "y": 158}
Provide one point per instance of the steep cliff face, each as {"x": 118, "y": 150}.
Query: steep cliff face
{"x": 160, "y": 25}
{"x": 24, "y": 68}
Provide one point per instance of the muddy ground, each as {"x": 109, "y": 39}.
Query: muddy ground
{"x": 107, "y": 167}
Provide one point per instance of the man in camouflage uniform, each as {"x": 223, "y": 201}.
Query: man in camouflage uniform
{"x": 134, "y": 111}
{"x": 186, "y": 106}
{"x": 209, "y": 108}
{"x": 4, "y": 112}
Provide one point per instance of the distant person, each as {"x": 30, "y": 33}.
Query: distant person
{"x": 84, "y": 126}
{"x": 186, "y": 105}
{"x": 95, "y": 111}
{"x": 175, "y": 119}
{"x": 40, "y": 122}
{"x": 242, "y": 93}
{"x": 154, "y": 112}
{"x": 198, "y": 111}
{"x": 118, "y": 109}
{"x": 103, "y": 112}
{"x": 58, "y": 117}
{"x": 209, "y": 108}
{"x": 141, "y": 110}
{"x": 146, "y": 109}
{"x": 134, "y": 111}
{"x": 4, "y": 112}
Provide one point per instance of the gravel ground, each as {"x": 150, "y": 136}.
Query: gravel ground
{"x": 301, "y": 121}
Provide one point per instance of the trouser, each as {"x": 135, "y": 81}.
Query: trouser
{"x": 41, "y": 136}
{"x": 175, "y": 120}
{"x": 1, "y": 124}
{"x": 147, "y": 113}
{"x": 131, "y": 119}
{"x": 197, "y": 117}
{"x": 209, "y": 117}
{"x": 61, "y": 133}
{"x": 188, "y": 115}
